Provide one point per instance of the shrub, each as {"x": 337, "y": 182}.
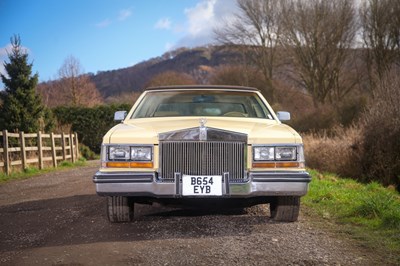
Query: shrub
{"x": 90, "y": 123}
{"x": 321, "y": 119}
{"x": 381, "y": 134}
{"x": 86, "y": 152}
{"x": 369, "y": 150}
{"x": 337, "y": 151}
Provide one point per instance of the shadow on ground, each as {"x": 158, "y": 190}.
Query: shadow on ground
{"x": 82, "y": 219}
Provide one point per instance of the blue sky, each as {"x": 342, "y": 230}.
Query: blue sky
{"x": 106, "y": 35}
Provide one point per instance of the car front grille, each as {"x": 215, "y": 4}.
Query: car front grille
{"x": 202, "y": 158}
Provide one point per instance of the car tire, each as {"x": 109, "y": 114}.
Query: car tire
{"x": 120, "y": 209}
{"x": 285, "y": 208}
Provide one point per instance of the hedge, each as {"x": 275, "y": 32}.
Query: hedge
{"x": 90, "y": 123}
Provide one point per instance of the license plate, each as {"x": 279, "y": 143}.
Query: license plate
{"x": 193, "y": 185}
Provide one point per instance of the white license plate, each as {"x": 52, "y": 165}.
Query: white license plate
{"x": 193, "y": 185}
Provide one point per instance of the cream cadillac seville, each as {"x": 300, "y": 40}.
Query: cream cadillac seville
{"x": 202, "y": 145}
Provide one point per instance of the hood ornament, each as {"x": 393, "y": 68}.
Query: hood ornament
{"x": 203, "y": 129}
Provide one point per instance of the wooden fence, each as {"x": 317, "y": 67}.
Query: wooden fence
{"x": 21, "y": 149}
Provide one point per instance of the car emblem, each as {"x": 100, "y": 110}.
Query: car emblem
{"x": 203, "y": 129}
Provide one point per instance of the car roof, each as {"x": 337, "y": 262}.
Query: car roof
{"x": 206, "y": 87}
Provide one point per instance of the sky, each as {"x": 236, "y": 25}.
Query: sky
{"x": 106, "y": 34}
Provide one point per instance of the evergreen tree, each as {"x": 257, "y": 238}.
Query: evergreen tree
{"x": 22, "y": 109}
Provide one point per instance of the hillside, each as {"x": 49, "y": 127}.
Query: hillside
{"x": 183, "y": 60}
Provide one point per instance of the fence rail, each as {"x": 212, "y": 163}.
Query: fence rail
{"x": 36, "y": 148}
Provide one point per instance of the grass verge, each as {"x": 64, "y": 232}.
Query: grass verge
{"x": 31, "y": 171}
{"x": 368, "y": 212}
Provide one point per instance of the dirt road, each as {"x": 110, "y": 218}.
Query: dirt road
{"x": 57, "y": 219}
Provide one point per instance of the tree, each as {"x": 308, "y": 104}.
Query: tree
{"x": 256, "y": 31}
{"x": 22, "y": 109}
{"x": 320, "y": 35}
{"x": 380, "y": 20}
{"x": 171, "y": 78}
{"x": 238, "y": 75}
{"x": 74, "y": 88}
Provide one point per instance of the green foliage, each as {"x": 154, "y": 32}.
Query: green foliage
{"x": 32, "y": 171}
{"x": 22, "y": 109}
{"x": 66, "y": 164}
{"x": 48, "y": 120}
{"x": 371, "y": 211}
{"x": 87, "y": 153}
{"x": 90, "y": 123}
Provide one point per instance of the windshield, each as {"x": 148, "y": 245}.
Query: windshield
{"x": 201, "y": 103}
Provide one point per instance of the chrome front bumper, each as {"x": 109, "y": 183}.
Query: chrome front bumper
{"x": 145, "y": 184}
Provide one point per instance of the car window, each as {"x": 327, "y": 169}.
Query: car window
{"x": 201, "y": 103}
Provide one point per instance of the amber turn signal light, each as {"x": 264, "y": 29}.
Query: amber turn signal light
{"x": 129, "y": 164}
{"x": 276, "y": 165}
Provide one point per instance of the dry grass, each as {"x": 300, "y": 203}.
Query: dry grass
{"x": 336, "y": 152}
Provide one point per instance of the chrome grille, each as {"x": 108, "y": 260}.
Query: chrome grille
{"x": 202, "y": 158}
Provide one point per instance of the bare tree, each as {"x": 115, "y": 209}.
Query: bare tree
{"x": 237, "y": 75}
{"x": 125, "y": 97}
{"x": 171, "y": 78}
{"x": 255, "y": 30}
{"x": 75, "y": 87}
{"x": 320, "y": 35}
{"x": 380, "y": 20}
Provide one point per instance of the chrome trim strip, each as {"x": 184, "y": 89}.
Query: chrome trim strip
{"x": 226, "y": 182}
{"x": 280, "y": 177}
{"x": 177, "y": 184}
{"x": 194, "y": 134}
{"x": 124, "y": 177}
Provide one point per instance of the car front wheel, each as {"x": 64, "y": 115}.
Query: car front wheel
{"x": 285, "y": 208}
{"x": 119, "y": 209}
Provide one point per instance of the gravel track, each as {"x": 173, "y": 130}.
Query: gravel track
{"x": 57, "y": 219}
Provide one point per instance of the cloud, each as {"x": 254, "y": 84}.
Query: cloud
{"x": 200, "y": 16}
{"x": 203, "y": 18}
{"x": 168, "y": 46}
{"x": 4, "y": 51}
{"x": 103, "y": 24}
{"x": 124, "y": 14}
{"x": 163, "y": 24}
{"x": 2, "y": 69}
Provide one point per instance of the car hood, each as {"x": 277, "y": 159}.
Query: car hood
{"x": 146, "y": 130}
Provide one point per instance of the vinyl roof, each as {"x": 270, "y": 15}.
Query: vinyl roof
{"x": 214, "y": 87}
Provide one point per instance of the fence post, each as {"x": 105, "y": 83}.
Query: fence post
{"x": 77, "y": 146}
{"x": 53, "y": 150}
{"x": 71, "y": 144}
{"x": 23, "y": 151}
{"x": 7, "y": 166}
{"x": 40, "y": 149}
{"x": 64, "y": 151}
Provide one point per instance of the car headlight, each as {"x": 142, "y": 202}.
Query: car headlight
{"x": 285, "y": 153}
{"x": 119, "y": 153}
{"x": 264, "y": 153}
{"x": 141, "y": 153}
{"x": 130, "y": 153}
{"x": 270, "y": 153}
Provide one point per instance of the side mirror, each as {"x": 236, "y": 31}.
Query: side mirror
{"x": 119, "y": 116}
{"x": 283, "y": 116}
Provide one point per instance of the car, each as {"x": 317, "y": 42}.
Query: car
{"x": 202, "y": 146}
